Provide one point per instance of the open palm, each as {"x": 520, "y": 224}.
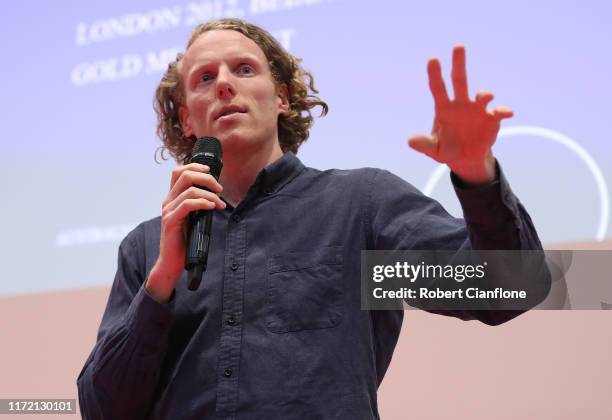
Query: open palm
{"x": 463, "y": 130}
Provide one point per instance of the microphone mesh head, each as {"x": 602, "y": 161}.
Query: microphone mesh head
{"x": 207, "y": 151}
{"x": 207, "y": 144}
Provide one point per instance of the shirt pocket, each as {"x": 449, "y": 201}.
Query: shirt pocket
{"x": 304, "y": 290}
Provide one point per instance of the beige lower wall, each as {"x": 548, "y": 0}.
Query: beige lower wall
{"x": 542, "y": 365}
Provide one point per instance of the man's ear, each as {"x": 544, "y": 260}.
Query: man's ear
{"x": 283, "y": 99}
{"x": 184, "y": 119}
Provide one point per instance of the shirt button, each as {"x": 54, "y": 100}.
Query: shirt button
{"x": 227, "y": 372}
{"x": 231, "y": 320}
{"x": 234, "y": 267}
{"x": 236, "y": 218}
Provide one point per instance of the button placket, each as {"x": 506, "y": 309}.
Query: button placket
{"x": 230, "y": 342}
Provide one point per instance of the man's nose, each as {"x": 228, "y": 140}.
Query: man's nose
{"x": 225, "y": 88}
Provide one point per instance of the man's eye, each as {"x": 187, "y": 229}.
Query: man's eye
{"x": 205, "y": 77}
{"x": 246, "y": 69}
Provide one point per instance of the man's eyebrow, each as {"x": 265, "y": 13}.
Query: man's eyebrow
{"x": 196, "y": 68}
{"x": 244, "y": 56}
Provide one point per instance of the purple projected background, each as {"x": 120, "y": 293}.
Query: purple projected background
{"x": 78, "y": 125}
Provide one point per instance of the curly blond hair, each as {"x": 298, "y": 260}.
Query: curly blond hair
{"x": 293, "y": 127}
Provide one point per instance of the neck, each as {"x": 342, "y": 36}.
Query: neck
{"x": 240, "y": 170}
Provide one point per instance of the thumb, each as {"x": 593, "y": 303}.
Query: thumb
{"x": 424, "y": 144}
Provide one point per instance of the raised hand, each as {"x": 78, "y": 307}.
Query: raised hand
{"x": 463, "y": 130}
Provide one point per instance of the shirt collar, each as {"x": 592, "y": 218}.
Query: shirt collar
{"x": 279, "y": 173}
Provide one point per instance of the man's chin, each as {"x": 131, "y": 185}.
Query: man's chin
{"x": 236, "y": 140}
{"x": 240, "y": 140}
{"x": 231, "y": 138}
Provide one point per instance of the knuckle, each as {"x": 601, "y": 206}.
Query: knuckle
{"x": 167, "y": 219}
{"x": 183, "y": 207}
{"x": 180, "y": 179}
{"x": 194, "y": 192}
{"x": 167, "y": 207}
{"x": 195, "y": 178}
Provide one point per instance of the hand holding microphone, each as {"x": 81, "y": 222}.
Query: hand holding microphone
{"x": 206, "y": 151}
{"x": 193, "y": 188}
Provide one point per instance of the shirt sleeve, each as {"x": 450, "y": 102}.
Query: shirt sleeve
{"x": 399, "y": 217}
{"x": 494, "y": 216}
{"x": 121, "y": 373}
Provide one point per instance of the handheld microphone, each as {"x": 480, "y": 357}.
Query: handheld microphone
{"x": 206, "y": 151}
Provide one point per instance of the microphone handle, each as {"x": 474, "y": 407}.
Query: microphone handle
{"x": 206, "y": 151}
{"x": 198, "y": 243}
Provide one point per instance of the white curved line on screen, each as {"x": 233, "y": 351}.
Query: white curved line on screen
{"x": 565, "y": 141}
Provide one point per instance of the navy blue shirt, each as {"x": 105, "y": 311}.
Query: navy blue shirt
{"x": 275, "y": 330}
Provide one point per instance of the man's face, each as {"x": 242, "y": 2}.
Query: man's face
{"x": 230, "y": 93}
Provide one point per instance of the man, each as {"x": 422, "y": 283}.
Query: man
{"x": 275, "y": 331}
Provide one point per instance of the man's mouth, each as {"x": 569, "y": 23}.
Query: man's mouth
{"x": 230, "y": 110}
